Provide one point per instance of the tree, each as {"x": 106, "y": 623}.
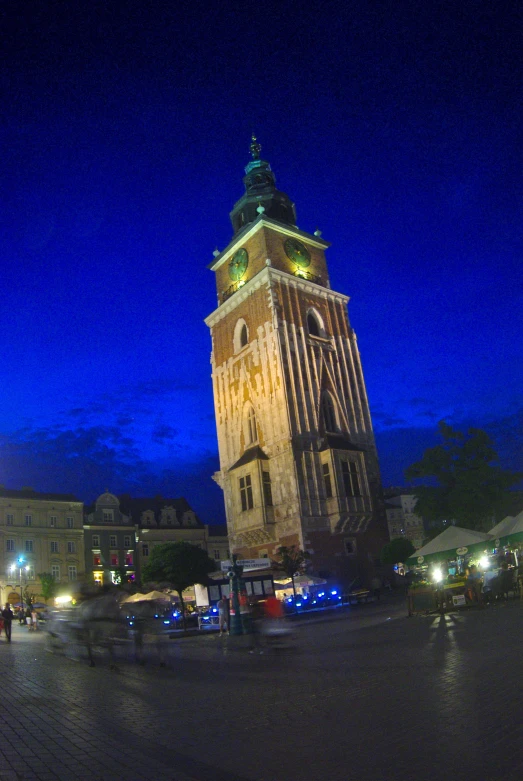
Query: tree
{"x": 397, "y": 550}
{"x": 292, "y": 561}
{"x": 180, "y": 565}
{"x": 470, "y": 484}
{"x": 48, "y": 585}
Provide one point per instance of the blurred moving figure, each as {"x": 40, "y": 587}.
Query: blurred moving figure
{"x": 8, "y": 615}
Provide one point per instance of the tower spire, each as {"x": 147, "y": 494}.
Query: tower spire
{"x": 255, "y": 148}
{"x": 261, "y": 195}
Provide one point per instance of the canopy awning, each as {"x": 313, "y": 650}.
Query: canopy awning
{"x": 509, "y": 530}
{"x": 454, "y": 541}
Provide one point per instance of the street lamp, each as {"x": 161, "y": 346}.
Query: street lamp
{"x": 19, "y": 565}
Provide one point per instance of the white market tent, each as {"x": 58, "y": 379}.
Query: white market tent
{"x": 451, "y": 540}
{"x": 510, "y": 529}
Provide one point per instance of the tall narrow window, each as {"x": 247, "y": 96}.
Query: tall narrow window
{"x": 71, "y": 547}
{"x": 28, "y": 520}
{"x": 246, "y": 493}
{"x": 351, "y": 480}
{"x": 327, "y": 480}
{"x": 267, "y": 489}
{"x": 251, "y": 434}
{"x": 145, "y": 549}
{"x": 28, "y": 546}
{"x": 244, "y": 336}
{"x": 71, "y": 570}
{"x": 70, "y": 522}
{"x": 55, "y": 571}
{"x": 329, "y": 414}
{"x": 54, "y": 547}
{"x": 10, "y": 519}
{"x": 10, "y": 546}
{"x": 52, "y": 521}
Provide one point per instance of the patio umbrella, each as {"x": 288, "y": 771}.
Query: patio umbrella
{"x": 152, "y": 596}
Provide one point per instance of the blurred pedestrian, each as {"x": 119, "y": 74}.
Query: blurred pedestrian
{"x": 375, "y": 585}
{"x": 34, "y": 620}
{"x": 272, "y": 608}
{"x": 21, "y": 615}
{"x": 223, "y": 615}
{"x": 7, "y": 615}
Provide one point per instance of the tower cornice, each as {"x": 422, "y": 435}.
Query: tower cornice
{"x": 264, "y": 222}
{"x": 264, "y": 277}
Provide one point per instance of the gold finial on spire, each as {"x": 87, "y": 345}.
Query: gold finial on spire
{"x": 255, "y": 148}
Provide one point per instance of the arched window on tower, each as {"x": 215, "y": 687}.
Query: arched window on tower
{"x": 241, "y": 335}
{"x": 312, "y": 325}
{"x": 251, "y": 432}
{"x": 328, "y": 412}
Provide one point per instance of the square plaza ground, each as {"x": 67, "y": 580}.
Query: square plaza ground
{"x": 368, "y": 694}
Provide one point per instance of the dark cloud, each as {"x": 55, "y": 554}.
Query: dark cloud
{"x": 125, "y": 420}
{"x": 88, "y": 460}
{"x": 163, "y": 433}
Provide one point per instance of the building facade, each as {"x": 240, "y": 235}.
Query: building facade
{"x": 298, "y": 462}
{"x": 40, "y": 533}
{"x": 402, "y": 519}
{"x": 110, "y": 542}
{"x": 158, "y": 520}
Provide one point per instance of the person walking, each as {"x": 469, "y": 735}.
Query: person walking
{"x": 223, "y": 616}
{"x": 8, "y": 615}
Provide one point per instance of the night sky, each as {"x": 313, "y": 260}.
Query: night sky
{"x": 395, "y": 128}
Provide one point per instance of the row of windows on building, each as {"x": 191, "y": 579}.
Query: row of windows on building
{"x": 114, "y": 559}
{"x": 349, "y": 473}
{"x": 112, "y": 541}
{"x": 28, "y": 572}
{"x": 28, "y": 521}
{"x": 28, "y": 546}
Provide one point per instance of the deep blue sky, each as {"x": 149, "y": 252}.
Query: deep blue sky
{"x": 395, "y": 127}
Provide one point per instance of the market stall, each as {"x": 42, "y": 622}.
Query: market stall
{"x": 440, "y": 565}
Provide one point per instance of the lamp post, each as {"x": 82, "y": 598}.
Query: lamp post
{"x": 235, "y": 575}
{"x": 19, "y": 565}
{"x": 240, "y": 620}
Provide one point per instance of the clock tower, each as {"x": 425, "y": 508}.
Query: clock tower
{"x": 298, "y": 462}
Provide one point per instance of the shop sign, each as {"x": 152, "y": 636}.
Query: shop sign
{"x": 421, "y": 559}
{"x": 462, "y": 551}
{"x": 458, "y": 600}
{"x": 247, "y": 564}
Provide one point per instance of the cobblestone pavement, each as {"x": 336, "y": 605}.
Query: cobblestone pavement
{"x": 367, "y": 695}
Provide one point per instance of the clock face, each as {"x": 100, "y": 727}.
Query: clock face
{"x": 238, "y": 264}
{"x": 297, "y": 252}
